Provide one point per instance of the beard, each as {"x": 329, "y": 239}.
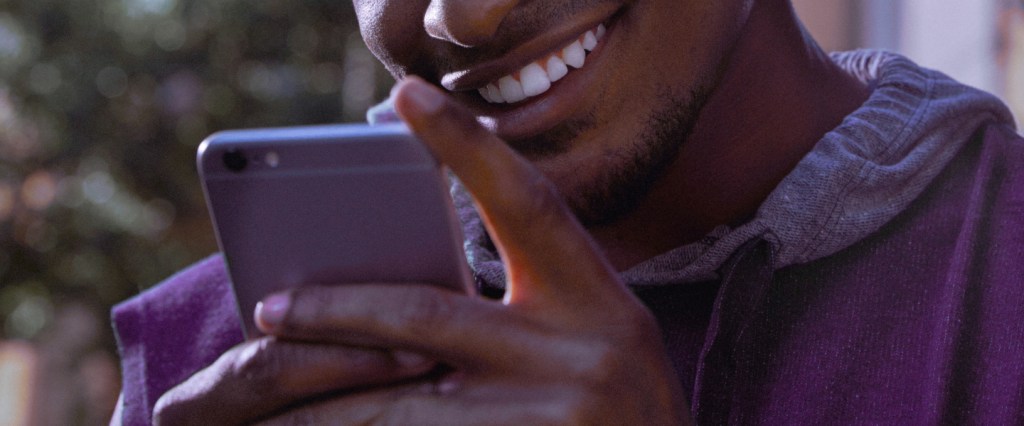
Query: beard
{"x": 633, "y": 169}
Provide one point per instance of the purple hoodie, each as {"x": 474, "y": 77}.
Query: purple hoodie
{"x": 881, "y": 282}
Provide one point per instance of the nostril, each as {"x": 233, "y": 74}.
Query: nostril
{"x": 466, "y": 23}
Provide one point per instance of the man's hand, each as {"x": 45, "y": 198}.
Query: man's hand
{"x": 260, "y": 377}
{"x": 568, "y": 345}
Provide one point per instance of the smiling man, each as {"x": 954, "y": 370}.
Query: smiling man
{"x": 690, "y": 212}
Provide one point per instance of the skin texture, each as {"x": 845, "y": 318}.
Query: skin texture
{"x": 559, "y": 358}
{"x": 722, "y": 97}
{"x": 635, "y": 110}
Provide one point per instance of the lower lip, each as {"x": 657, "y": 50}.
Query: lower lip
{"x": 541, "y": 113}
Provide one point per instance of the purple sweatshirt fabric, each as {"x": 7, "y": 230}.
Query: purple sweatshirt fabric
{"x": 171, "y": 331}
{"x": 920, "y": 321}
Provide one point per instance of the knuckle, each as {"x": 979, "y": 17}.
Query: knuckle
{"x": 179, "y": 405}
{"x": 576, "y": 413}
{"x": 571, "y": 408}
{"x": 309, "y": 306}
{"x": 426, "y": 313}
{"x": 167, "y": 410}
{"x": 602, "y": 363}
{"x": 225, "y": 390}
{"x": 536, "y": 205}
{"x": 259, "y": 366}
{"x": 596, "y": 366}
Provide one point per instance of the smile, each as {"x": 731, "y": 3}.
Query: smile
{"x": 537, "y": 77}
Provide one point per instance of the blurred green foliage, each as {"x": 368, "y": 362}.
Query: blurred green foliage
{"x": 102, "y": 105}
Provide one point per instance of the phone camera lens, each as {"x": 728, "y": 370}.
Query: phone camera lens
{"x": 235, "y": 161}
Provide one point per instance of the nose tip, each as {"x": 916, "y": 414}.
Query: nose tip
{"x": 466, "y": 23}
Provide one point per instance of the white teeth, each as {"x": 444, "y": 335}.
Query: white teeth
{"x": 495, "y": 93}
{"x": 491, "y": 93}
{"x": 556, "y": 68}
{"x": 574, "y": 55}
{"x": 589, "y": 41}
{"x": 511, "y": 89}
{"x": 534, "y": 79}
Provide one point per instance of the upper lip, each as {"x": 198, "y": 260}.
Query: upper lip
{"x": 479, "y": 75}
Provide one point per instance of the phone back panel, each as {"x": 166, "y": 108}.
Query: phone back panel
{"x": 330, "y": 205}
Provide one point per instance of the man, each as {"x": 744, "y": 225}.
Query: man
{"x": 692, "y": 213}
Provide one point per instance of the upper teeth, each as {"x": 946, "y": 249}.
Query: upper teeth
{"x": 536, "y": 78}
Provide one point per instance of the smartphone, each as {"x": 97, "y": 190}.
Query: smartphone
{"x": 329, "y": 205}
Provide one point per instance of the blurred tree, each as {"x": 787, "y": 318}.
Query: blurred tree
{"x": 102, "y": 105}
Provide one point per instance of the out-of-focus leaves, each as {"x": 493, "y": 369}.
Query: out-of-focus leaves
{"x": 102, "y": 104}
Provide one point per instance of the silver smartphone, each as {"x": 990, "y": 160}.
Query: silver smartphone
{"x": 329, "y": 205}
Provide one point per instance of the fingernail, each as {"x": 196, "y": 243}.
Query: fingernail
{"x": 271, "y": 311}
{"x": 409, "y": 359}
{"x": 425, "y": 98}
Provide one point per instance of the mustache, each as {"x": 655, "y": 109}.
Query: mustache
{"x": 524, "y": 22}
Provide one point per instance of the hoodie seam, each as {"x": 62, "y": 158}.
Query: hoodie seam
{"x": 869, "y": 165}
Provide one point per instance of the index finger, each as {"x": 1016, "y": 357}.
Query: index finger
{"x": 536, "y": 234}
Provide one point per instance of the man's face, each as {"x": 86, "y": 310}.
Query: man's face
{"x": 603, "y": 132}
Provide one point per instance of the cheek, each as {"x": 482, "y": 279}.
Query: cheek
{"x": 393, "y": 31}
{"x": 692, "y": 52}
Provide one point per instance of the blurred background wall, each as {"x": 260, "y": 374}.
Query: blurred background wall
{"x": 978, "y": 42}
{"x": 103, "y": 103}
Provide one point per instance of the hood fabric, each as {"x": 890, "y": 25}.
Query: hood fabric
{"x": 856, "y": 179}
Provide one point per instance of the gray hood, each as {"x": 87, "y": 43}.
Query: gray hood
{"x": 855, "y": 180}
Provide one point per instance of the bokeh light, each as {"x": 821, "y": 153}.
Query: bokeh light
{"x": 39, "y": 190}
{"x": 102, "y": 105}
{"x": 18, "y": 371}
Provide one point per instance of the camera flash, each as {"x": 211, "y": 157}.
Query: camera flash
{"x": 272, "y": 159}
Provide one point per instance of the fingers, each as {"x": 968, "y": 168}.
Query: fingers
{"x": 435, "y": 404}
{"x": 263, "y": 376}
{"x": 537, "y": 235}
{"x": 423, "y": 319}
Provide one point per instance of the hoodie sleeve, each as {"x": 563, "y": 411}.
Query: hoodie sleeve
{"x": 169, "y": 332}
